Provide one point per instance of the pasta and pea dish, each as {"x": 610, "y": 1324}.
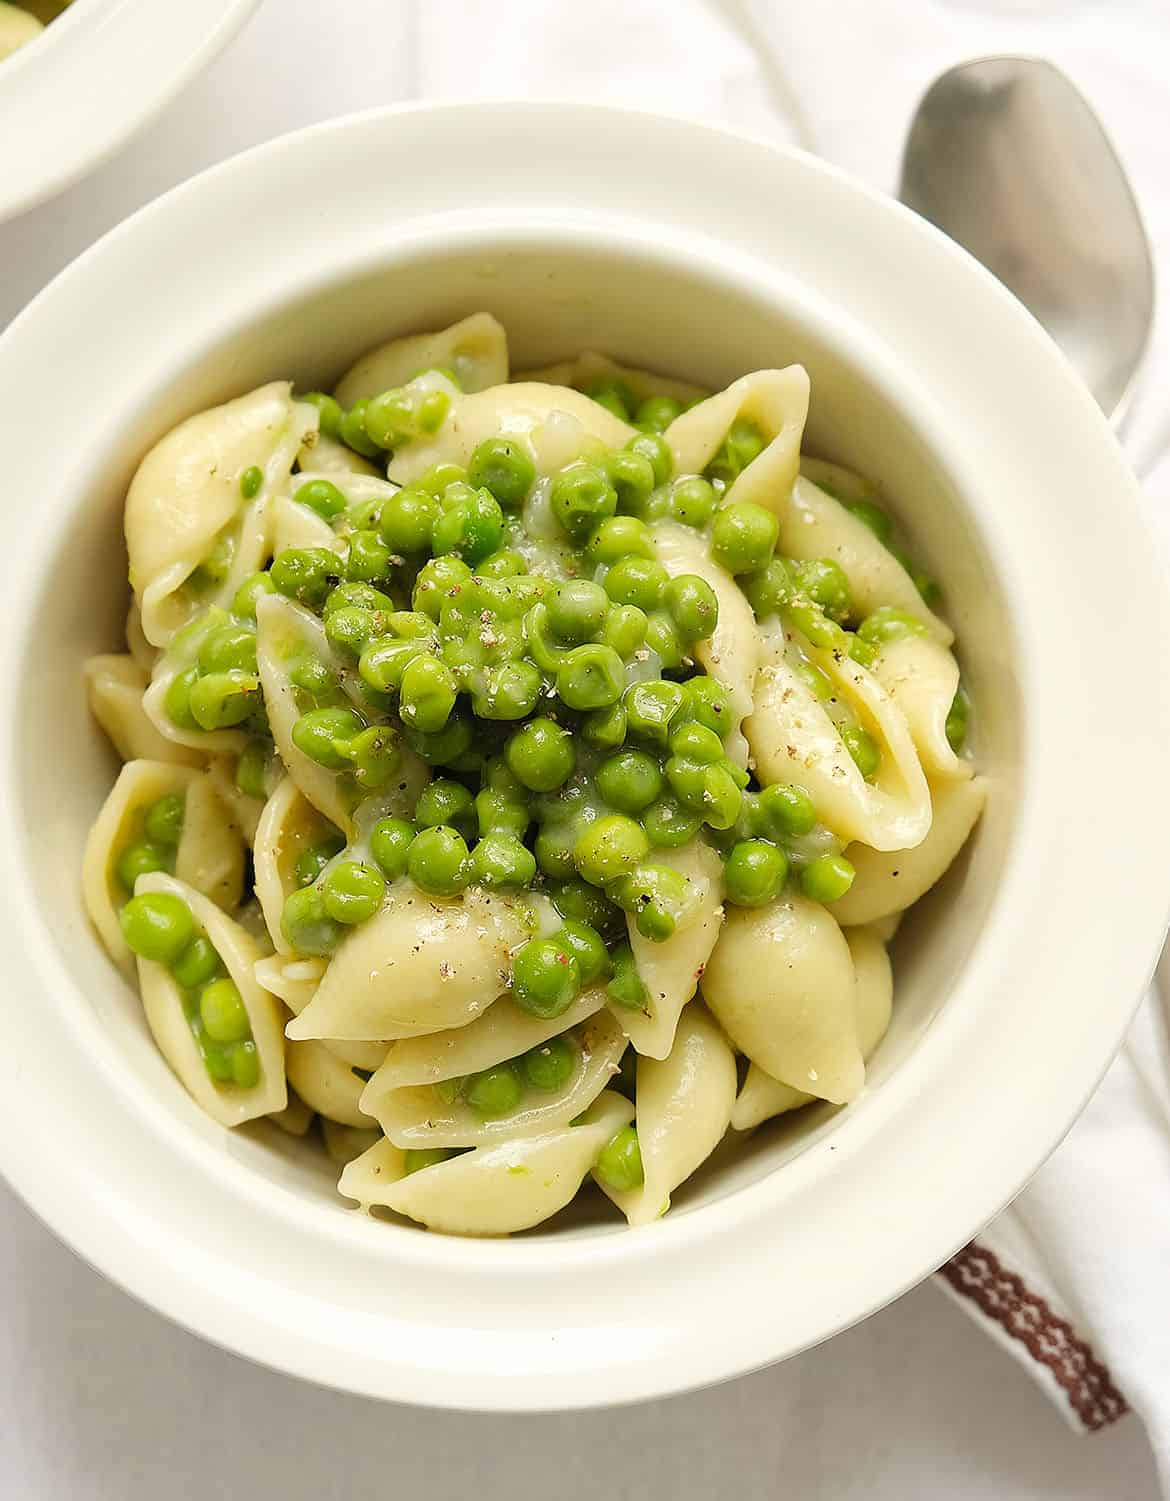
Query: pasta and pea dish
{"x": 523, "y": 776}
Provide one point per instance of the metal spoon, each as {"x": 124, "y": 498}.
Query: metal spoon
{"x": 1008, "y": 159}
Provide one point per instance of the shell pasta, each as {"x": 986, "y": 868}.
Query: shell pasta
{"x": 522, "y": 778}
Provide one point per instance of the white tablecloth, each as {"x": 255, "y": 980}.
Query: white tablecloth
{"x": 102, "y": 1399}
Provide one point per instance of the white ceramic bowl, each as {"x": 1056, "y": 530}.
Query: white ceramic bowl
{"x": 706, "y": 255}
{"x": 98, "y": 74}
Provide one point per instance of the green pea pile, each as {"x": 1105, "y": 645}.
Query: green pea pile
{"x": 160, "y": 927}
{"x": 219, "y": 687}
{"x": 160, "y": 828}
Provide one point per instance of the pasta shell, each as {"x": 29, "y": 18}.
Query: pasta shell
{"x": 115, "y": 686}
{"x": 325, "y": 1083}
{"x": 590, "y": 369}
{"x": 476, "y": 349}
{"x": 922, "y": 678}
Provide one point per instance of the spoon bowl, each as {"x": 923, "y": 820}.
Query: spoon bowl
{"x": 1005, "y": 156}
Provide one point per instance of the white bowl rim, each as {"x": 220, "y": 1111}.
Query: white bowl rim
{"x": 114, "y": 88}
{"x": 435, "y": 1359}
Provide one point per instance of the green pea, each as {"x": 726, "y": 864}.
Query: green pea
{"x": 368, "y": 557}
{"x": 862, "y": 651}
{"x": 827, "y": 879}
{"x": 958, "y": 720}
{"x": 317, "y": 734}
{"x": 254, "y": 587}
{"x": 545, "y": 978}
{"x": 375, "y": 756}
{"x": 787, "y": 810}
{"x": 819, "y": 682}
{"x": 707, "y": 703}
{"x": 501, "y": 860}
{"x": 743, "y": 443}
{"x": 495, "y": 1092}
{"x": 321, "y": 496}
{"x": 437, "y": 861}
{"x": 418, "y": 1158}
{"x": 663, "y": 638}
{"x": 657, "y": 451}
{"x": 157, "y": 926}
{"x": 697, "y": 742}
{"x": 245, "y": 1065}
{"x": 605, "y": 728}
{"x": 446, "y": 747}
{"x": 587, "y": 946}
{"x": 353, "y": 431}
{"x": 541, "y": 755}
{"x": 222, "y": 1011}
{"x": 305, "y": 574}
{"x": 390, "y": 841}
{"x": 139, "y": 860}
{"x": 351, "y": 630}
{"x": 226, "y": 648}
{"x": 505, "y": 564}
{"x": 250, "y": 482}
{"x": 446, "y": 801}
{"x": 579, "y": 901}
{"x": 625, "y": 987}
{"x": 581, "y": 496}
{"x": 630, "y": 780}
{"x": 632, "y": 477}
{"x": 312, "y": 861}
{"x": 767, "y": 589}
{"x": 620, "y": 1164}
{"x": 163, "y": 821}
{"x": 754, "y": 873}
{"x": 306, "y": 925}
{"x": 432, "y": 411}
{"x": 637, "y": 581}
{"x": 438, "y": 581}
{"x": 609, "y": 847}
{"x": 427, "y": 693}
{"x": 656, "y": 413}
{"x": 888, "y": 623}
{"x": 873, "y": 517}
{"x": 655, "y": 896}
{"x": 693, "y": 606}
{"x": 383, "y": 662}
{"x": 651, "y": 709}
{"x": 217, "y": 1059}
{"x": 863, "y": 748}
{"x": 577, "y": 609}
{"x": 391, "y": 417}
{"x": 252, "y": 769}
{"x": 315, "y": 681}
{"x": 500, "y": 813}
{"x": 502, "y": 466}
{"x": 352, "y": 892}
{"x": 744, "y": 536}
{"x": 614, "y": 395}
{"x": 627, "y": 1080}
{"x": 197, "y": 964}
{"x": 624, "y": 629}
{"x": 549, "y": 1066}
{"x": 510, "y": 691}
{"x": 693, "y": 500}
{"x": 554, "y": 846}
{"x": 825, "y": 583}
{"x": 668, "y": 824}
{"x": 439, "y": 476}
{"x": 223, "y": 699}
{"x": 407, "y": 520}
{"x": 707, "y": 790}
{"x": 328, "y": 410}
{"x": 591, "y": 677}
{"x": 620, "y": 537}
{"x": 813, "y": 623}
{"x": 471, "y": 528}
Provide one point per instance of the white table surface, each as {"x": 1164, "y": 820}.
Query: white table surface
{"x": 103, "y": 1399}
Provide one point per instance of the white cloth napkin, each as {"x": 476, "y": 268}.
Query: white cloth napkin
{"x": 1073, "y": 1279}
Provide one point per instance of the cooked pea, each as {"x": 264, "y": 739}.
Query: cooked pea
{"x": 811, "y": 621}
{"x": 226, "y": 648}
{"x": 620, "y": 537}
{"x": 743, "y": 536}
{"x": 471, "y": 528}
{"x": 254, "y": 587}
{"x": 197, "y": 964}
{"x": 614, "y": 395}
{"x": 375, "y": 756}
{"x": 502, "y": 466}
{"x": 317, "y": 734}
{"x": 663, "y": 638}
{"x": 577, "y": 608}
{"x": 321, "y": 496}
{"x": 609, "y": 847}
{"x": 439, "y": 581}
{"x": 353, "y": 431}
{"x": 587, "y": 946}
{"x": 315, "y": 680}
{"x": 250, "y": 482}
{"x": 692, "y": 500}
{"x": 637, "y": 581}
{"x": 501, "y": 812}
{"x": 630, "y": 780}
{"x": 743, "y": 443}
{"x": 654, "y": 895}
{"x": 427, "y": 693}
{"x": 439, "y": 476}
{"x": 311, "y": 862}
{"x": 541, "y": 755}
{"x": 157, "y": 926}
{"x": 819, "y": 682}
{"x": 351, "y": 630}
{"x": 625, "y": 986}
{"x": 252, "y": 769}
{"x": 656, "y": 450}
{"x": 139, "y": 860}
{"x": 651, "y": 709}
{"x": 449, "y": 746}
{"x": 863, "y": 748}
{"x": 504, "y": 564}
{"x": 697, "y": 742}
{"x": 545, "y": 978}
{"x": 502, "y": 860}
{"x": 549, "y": 1066}
{"x": 446, "y": 801}
{"x": 605, "y": 728}
{"x": 656, "y": 413}
{"x": 163, "y": 822}
{"x": 383, "y": 662}
{"x": 390, "y": 841}
{"x": 432, "y": 411}
{"x": 554, "y": 847}
{"x": 583, "y": 903}
{"x": 418, "y": 1158}
{"x": 873, "y": 517}
{"x": 368, "y": 557}
{"x": 305, "y": 573}
{"x": 624, "y": 629}
{"x": 710, "y": 791}
{"x": 787, "y": 810}
{"x": 827, "y": 879}
{"x": 510, "y": 691}
{"x": 825, "y": 584}
{"x": 888, "y": 623}
{"x": 591, "y": 677}
{"x": 306, "y": 925}
{"x": 754, "y": 873}
{"x": 767, "y": 589}
{"x": 407, "y": 520}
{"x": 668, "y": 824}
{"x": 958, "y": 719}
{"x": 223, "y": 1013}
{"x": 437, "y": 861}
{"x": 707, "y": 702}
{"x": 632, "y": 477}
{"x": 245, "y": 1065}
{"x": 328, "y": 410}
{"x": 495, "y": 1092}
{"x": 581, "y": 496}
{"x": 862, "y": 651}
{"x": 352, "y": 892}
{"x": 620, "y": 1164}
{"x": 222, "y": 699}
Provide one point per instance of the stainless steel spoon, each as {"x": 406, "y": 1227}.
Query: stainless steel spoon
{"x": 1008, "y": 159}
